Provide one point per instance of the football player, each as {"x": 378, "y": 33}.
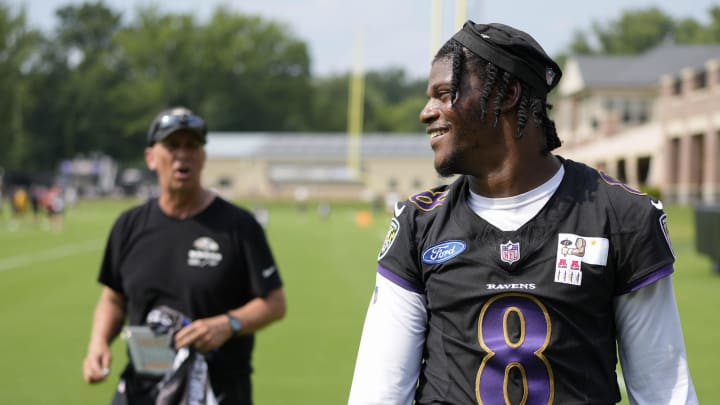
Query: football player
{"x": 521, "y": 281}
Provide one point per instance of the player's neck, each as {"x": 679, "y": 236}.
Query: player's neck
{"x": 184, "y": 205}
{"x": 515, "y": 177}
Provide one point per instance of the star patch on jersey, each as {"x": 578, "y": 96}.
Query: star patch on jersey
{"x": 573, "y": 250}
{"x": 389, "y": 238}
{"x": 510, "y": 252}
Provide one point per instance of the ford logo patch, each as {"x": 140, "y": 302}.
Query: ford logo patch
{"x": 443, "y": 251}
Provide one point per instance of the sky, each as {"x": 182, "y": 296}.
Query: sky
{"x": 378, "y": 34}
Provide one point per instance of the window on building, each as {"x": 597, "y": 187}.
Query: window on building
{"x": 225, "y": 182}
{"x": 674, "y": 165}
{"x": 717, "y": 166}
{"x": 626, "y": 116}
{"x": 700, "y": 80}
{"x": 697, "y": 162}
{"x": 643, "y": 168}
{"x": 677, "y": 86}
{"x": 621, "y": 173}
{"x": 609, "y": 104}
{"x": 627, "y": 111}
{"x": 643, "y": 112}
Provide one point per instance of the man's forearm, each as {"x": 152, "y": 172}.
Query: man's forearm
{"x": 108, "y": 318}
{"x": 262, "y": 311}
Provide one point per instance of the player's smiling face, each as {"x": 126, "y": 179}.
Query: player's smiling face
{"x": 456, "y": 130}
{"x": 177, "y": 160}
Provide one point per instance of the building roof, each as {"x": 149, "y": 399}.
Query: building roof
{"x": 644, "y": 70}
{"x": 313, "y": 145}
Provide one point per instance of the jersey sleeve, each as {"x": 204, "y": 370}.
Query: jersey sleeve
{"x": 389, "y": 357}
{"x": 643, "y": 249}
{"x": 397, "y": 260}
{"x": 263, "y": 272}
{"x": 651, "y": 347}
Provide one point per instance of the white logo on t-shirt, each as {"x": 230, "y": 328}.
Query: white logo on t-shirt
{"x": 204, "y": 252}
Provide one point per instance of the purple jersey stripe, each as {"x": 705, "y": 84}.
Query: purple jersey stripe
{"x": 412, "y": 287}
{"x": 648, "y": 279}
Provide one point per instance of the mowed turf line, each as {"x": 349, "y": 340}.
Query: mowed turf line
{"x": 328, "y": 267}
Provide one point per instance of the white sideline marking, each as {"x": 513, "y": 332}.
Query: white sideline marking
{"x": 58, "y": 252}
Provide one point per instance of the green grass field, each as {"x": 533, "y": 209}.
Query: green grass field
{"x": 48, "y": 292}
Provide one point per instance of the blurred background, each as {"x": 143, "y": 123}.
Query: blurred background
{"x": 322, "y": 97}
{"x": 313, "y": 113}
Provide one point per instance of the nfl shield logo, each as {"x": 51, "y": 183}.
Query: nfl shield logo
{"x": 510, "y": 252}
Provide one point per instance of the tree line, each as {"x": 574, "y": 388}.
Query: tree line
{"x": 95, "y": 82}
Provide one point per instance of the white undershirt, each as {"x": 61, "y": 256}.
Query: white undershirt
{"x": 510, "y": 213}
{"x": 650, "y": 341}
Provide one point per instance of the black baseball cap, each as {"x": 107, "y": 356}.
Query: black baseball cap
{"x": 175, "y": 119}
{"x": 512, "y": 50}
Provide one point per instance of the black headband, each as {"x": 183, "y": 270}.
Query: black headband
{"x": 512, "y": 50}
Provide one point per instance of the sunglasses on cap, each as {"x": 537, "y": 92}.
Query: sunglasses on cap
{"x": 175, "y": 120}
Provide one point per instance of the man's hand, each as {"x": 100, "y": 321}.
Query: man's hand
{"x": 107, "y": 321}
{"x": 96, "y": 365}
{"x": 204, "y": 334}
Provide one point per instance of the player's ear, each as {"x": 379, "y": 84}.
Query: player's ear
{"x": 512, "y": 96}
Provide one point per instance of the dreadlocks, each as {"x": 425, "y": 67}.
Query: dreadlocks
{"x": 495, "y": 77}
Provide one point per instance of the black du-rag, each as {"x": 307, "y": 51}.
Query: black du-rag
{"x": 512, "y": 50}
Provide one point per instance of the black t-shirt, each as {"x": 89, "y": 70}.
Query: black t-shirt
{"x": 526, "y": 313}
{"x": 202, "y": 266}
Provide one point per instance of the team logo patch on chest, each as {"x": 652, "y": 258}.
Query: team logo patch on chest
{"x": 205, "y": 252}
{"x": 443, "y": 251}
{"x": 510, "y": 252}
{"x": 573, "y": 250}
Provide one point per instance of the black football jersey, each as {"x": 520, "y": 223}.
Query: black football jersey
{"x": 526, "y": 316}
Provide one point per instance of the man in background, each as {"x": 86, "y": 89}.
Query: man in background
{"x": 188, "y": 252}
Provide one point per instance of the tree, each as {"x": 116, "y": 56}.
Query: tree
{"x": 17, "y": 45}
{"x": 329, "y": 103}
{"x": 634, "y": 32}
{"x": 78, "y": 70}
{"x": 161, "y": 56}
{"x": 689, "y": 31}
{"x": 240, "y": 72}
{"x": 393, "y": 102}
{"x": 637, "y": 31}
{"x": 256, "y": 74}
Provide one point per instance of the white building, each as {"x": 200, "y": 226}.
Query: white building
{"x": 276, "y": 165}
{"x": 650, "y": 120}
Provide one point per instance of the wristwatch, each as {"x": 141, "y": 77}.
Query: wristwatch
{"x": 235, "y": 324}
